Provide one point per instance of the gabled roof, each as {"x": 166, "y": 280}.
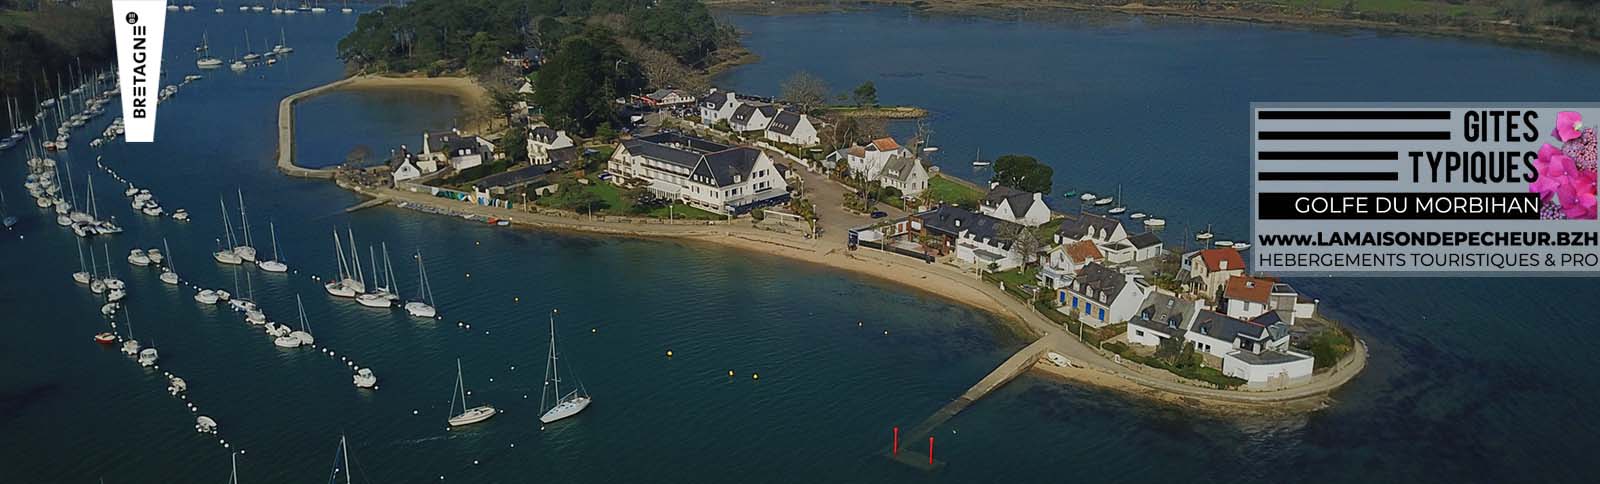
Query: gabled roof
{"x": 1225, "y": 328}
{"x": 1082, "y": 251}
{"x": 1165, "y": 313}
{"x": 745, "y": 111}
{"x": 727, "y": 165}
{"x": 1145, "y": 240}
{"x": 1214, "y": 259}
{"x": 784, "y": 122}
{"x": 1095, "y": 225}
{"x": 714, "y": 100}
{"x": 563, "y": 155}
{"x": 660, "y": 152}
{"x": 661, "y": 94}
{"x": 1246, "y": 288}
{"x": 899, "y": 168}
{"x": 544, "y": 134}
{"x": 1099, "y": 282}
{"x": 952, "y": 220}
{"x": 1020, "y": 202}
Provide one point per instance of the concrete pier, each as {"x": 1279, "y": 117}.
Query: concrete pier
{"x": 286, "y": 131}
{"x": 912, "y": 443}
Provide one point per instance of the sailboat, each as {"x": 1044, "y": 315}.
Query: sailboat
{"x": 130, "y": 346}
{"x": 96, "y": 285}
{"x": 353, "y": 278}
{"x": 380, "y": 297}
{"x": 206, "y": 61}
{"x": 301, "y": 336}
{"x": 225, "y": 254}
{"x": 6, "y": 218}
{"x": 564, "y": 405}
{"x": 1121, "y": 207}
{"x": 168, "y": 274}
{"x": 423, "y": 308}
{"x": 346, "y": 8}
{"x": 244, "y": 250}
{"x": 318, "y": 8}
{"x": 283, "y": 44}
{"x": 467, "y": 416}
{"x": 219, "y": 7}
{"x": 276, "y": 264}
{"x": 233, "y": 476}
{"x": 337, "y": 286}
{"x": 1204, "y": 234}
{"x": 82, "y": 276}
{"x": 343, "y": 454}
{"x": 114, "y": 286}
{"x": 978, "y": 161}
{"x": 249, "y": 55}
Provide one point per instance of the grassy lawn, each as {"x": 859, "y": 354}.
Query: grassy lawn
{"x": 680, "y": 211}
{"x": 945, "y": 190}
{"x": 1018, "y": 277}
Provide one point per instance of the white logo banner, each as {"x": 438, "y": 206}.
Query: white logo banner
{"x": 139, "y": 26}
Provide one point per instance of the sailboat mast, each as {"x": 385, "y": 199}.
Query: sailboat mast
{"x": 338, "y": 250}
{"x": 555, "y": 371}
{"x": 388, "y": 272}
{"x": 244, "y": 220}
{"x": 168, "y": 250}
{"x": 304, "y": 325}
{"x": 461, "y": 384}
{"x": 355, "y": 259}
{"x": 274, "y": 230}
{"x": 343, "y": 449}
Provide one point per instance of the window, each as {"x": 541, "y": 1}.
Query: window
{"x": 1139, "y": 332}
{"x": 1102, "y": 314}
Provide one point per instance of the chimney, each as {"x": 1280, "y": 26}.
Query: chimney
{"x": 993, "y": 185}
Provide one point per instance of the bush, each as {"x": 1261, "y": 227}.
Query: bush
{"x": 1328, "y": 347}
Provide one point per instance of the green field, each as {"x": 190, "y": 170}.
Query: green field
{"x": 943, "y": 189}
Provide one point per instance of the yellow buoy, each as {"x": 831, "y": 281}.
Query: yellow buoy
{"x": 594, "y": 330}
{"x": 516, "y": 299}
{"x": 886, "y": 332}
{"x": 730, "y": 372}
{"x": 669, "y": 353}
{"x": 755, "y": 376}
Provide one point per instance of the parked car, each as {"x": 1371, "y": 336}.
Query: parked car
{"x": 879, "y": 214}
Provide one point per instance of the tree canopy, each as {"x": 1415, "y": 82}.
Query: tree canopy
{"x": 577, "y": 85}
{"x": 1024, "y": 173}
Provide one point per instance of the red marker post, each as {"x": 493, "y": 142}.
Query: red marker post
{"x": 896, "y": 449}
{"x": 930, "y": 450}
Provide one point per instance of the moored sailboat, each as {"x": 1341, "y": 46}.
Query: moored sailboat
{"x": 562, "y": 405}
{"x": 422, "y": 308}
{"x": 467, "y": 416}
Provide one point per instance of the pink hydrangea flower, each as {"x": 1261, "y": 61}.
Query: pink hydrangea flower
{"x": 1553, "y": 167}
{"x": 1569, "y": 125}
{"x": 1578, "y": 196}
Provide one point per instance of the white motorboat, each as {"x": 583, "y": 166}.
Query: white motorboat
{"x": 116, "y": 295}
{"x": 467, "y": 416}
{"x": 276, "y": 330}
{"x": 1223, "y": 243}
{"x": 155, "y": 255}
{"x": 1103, "y": 201}
{"x": 1155, "y": 222}
{"x": 205, "y": 425}
{"x": 130, "y": 347}
{"x": 180, "y": 215}
{"x": 206, "y": 296}
{"x": 138, "y": 257}
{"x": 109, "y": 309}
{"x": 286, "y": 342}
{"x": 276, "y": 264}
{"x": 1087, "y": 197}
{"x": 422, "y": 308}
{"x": 561, "y": 405}
{"x": 255, "y": 316}
{"x": 148, "y": 357}
{"x": 1240, "y": 246}
{"x": 1138, "y": 216}
{"x": 365, "y": 379}
{"x": 152, "y": 210}
{"x": 176, "y": 385}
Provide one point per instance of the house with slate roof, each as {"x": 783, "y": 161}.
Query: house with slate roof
{"x": 752, "y": 116}
{"x": 1100, "y": 229}
{"x": 1013, "y": 205}
{"x": 717, "y": 106}
{"x": 1099, "y": 295}
{"x": 1146, "y": 245}
{"x": 1256, "y": 350}
{"x": 547, "y": 146}
{"x": 1163, "y": 317}
{"x": 792, "y": 127}
{"x": 1063, "y": 261}
{"x": 460, "y": 151}
{"x": 974, "y": 238}
{"x": 665, "y": 98}
{"x": 869, "y": 161}
{"x": 904, "y": 173}
{"x": 706, "y": 174}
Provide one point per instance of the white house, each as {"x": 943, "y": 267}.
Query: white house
{"x": 1256, "y": 350}
{"x": 974, "y": 238}
{"x": 792, "y": 128}
{"x": 1162, "y": 317}
{"x": 668, "y": 98}
{"x": 1063, "y": 262}
{"x": 752, "y": 116}
{"x": 1100, "y": 229}
{"x": 407, "y": 170}
{"x": 904, "y": 173}
{"x": 547, "y": 146}
{"x": 461, "y": 151}
{"x": 1247, "y": 297}
{"x": 1210, "y": 269}
{"x": 717, "y": 177}
{"x": 1013, "y": 205}
{"x": 1100, "y": 296}
{"x": 1146, "y": 246}
{"x": 868, "y": 161}
{"x": 717, "y": 106}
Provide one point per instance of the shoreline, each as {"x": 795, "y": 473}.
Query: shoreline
{"x": 472, "y": 98}
{"x": 936, "y": 279}
{"x": 1496, "y": 32}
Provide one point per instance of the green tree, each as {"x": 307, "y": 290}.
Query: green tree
{"x": 577, "y": 86}
{"x": 866, "y": 94}
{"x": 1024, "y": 173}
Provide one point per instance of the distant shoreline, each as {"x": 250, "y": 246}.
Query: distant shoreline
{"x": 1498, "y": 32}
